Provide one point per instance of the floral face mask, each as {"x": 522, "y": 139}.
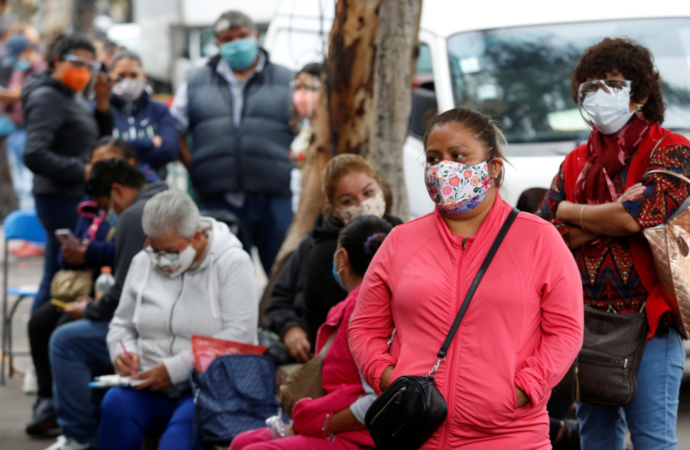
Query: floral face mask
{"x": 373, "y": 206}
{"x": 457, "y": 188}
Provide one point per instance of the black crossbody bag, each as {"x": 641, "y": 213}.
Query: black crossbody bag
{"x": 412, "y": 408}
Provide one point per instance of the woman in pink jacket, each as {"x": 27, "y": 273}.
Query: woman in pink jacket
{"x": 524, "y": 325}
{"x": 335, "y": 421}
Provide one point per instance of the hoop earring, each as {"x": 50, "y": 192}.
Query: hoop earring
{"x": 638, "y": 110}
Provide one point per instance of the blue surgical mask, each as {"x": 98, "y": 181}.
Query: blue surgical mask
{"x": 22, "y": 65}
{"x": 111, "y": 218}
{"x": 240, "y": 54}
{"x": 336, "y": 274}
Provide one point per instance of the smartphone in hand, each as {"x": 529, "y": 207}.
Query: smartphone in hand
{"x": 66, "y": 237}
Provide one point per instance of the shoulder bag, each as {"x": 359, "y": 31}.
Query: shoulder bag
{"x": 305, "y": 382}
{"x": 68, "y": 285}
{"x": 605, "y": 371}
{"x": 669, "y": 245}
{"x": 412, "y": 408}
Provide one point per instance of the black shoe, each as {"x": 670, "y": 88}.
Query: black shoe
{"x": 44, "y": 422}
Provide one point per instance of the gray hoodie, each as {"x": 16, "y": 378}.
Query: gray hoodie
{"x": 158, "y": 315}
{"x": 129, "y": 240}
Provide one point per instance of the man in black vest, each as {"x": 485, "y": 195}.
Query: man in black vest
{"x": 236, "y": 109}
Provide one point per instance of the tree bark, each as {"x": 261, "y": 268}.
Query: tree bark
{"x": 350, "y": 74}
{"x": 346, "y": 112}
{"x": 341, "y": 119}
{"x": 395, "y": 66}
{"x": 343, "y": 114}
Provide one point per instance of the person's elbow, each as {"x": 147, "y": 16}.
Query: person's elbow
{"x": 166, "y": 153}
{"x": 170, "y": 150}
{"x": 33, "y": 160}
{"x": 620, "y": 224}
{"x": 628, "y": 226}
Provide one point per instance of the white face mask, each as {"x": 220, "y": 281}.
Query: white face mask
{"x": 373, "y": 206}
{"x": 129, "y": 89}
{"x": 608, "y": 111}
{"x": 173, "y": 264}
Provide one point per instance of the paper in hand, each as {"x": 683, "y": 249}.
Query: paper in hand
{"x": 107, "y": 381}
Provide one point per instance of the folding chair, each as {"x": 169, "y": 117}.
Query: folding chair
{"x": 18, "y": 225}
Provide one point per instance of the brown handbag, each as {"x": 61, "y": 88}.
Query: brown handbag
{"x": 605, "y": 371}
{"x": 305, "y": 382}
{"x": 68, "y": 285}
{"x": 669, "y": 245}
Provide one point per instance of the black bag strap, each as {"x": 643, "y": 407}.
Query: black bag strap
{"x": 441, "y": 356}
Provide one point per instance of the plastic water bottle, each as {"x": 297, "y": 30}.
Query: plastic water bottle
{"x": 104, "y": 282}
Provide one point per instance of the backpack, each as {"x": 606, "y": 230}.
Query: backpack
{"x": 235, "y": 394}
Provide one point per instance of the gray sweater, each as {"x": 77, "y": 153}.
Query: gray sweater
{"x": 129, "y": 240}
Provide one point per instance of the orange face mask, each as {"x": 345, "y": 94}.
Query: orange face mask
{"x": 76, "y": 79}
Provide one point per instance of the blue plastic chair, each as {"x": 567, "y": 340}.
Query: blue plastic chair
{"x": 17, "y": 225}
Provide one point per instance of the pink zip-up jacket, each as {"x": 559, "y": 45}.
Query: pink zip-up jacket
{"x": 524, "y": 326}
{"x": 340, "y": 379}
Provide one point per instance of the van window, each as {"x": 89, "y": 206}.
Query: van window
{"x": 424, "y": 75}
{"x": 424, "y": 59}
{"x": 521, "y": 76}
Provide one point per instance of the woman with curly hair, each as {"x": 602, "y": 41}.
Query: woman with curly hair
{"x": 601, "y": 200}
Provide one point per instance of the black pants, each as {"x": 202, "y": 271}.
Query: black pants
{"x": 41, "y": 326}
{"x": 558, "y": 408}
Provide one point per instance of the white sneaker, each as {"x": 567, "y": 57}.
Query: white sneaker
{"x": 65, "y": 443}
{"x": 30, "y": 386}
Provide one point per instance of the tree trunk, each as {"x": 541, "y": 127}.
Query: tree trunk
{"x": 345, "y": 114}
{"x": 395, "y": 65}
{"x": 341, "y": 119}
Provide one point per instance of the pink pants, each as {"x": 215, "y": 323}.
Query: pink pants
{"x": 261, "y": 440}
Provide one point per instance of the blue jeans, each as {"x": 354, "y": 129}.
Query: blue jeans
{"x": 78, "y": 353}
{"x": 265, "y": 221}
{"x": 651, "y": 416}
{"x": 54, "y": 212}
{"x": 129, "y": 416}
{"x": 22, "y": 178}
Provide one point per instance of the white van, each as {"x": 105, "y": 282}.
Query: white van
{"x": 513, "y": 60}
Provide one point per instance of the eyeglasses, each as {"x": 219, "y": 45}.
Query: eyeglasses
{"x": 297, "y": 85}
{"x": 166, "y": 255}
{"x": 609, "y": 86}
{"x": 80, "y": 62}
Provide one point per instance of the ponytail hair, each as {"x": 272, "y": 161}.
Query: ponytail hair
{"x": 362, "y": 238}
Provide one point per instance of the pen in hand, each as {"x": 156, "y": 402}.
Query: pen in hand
{"x": 124, "y": 349}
